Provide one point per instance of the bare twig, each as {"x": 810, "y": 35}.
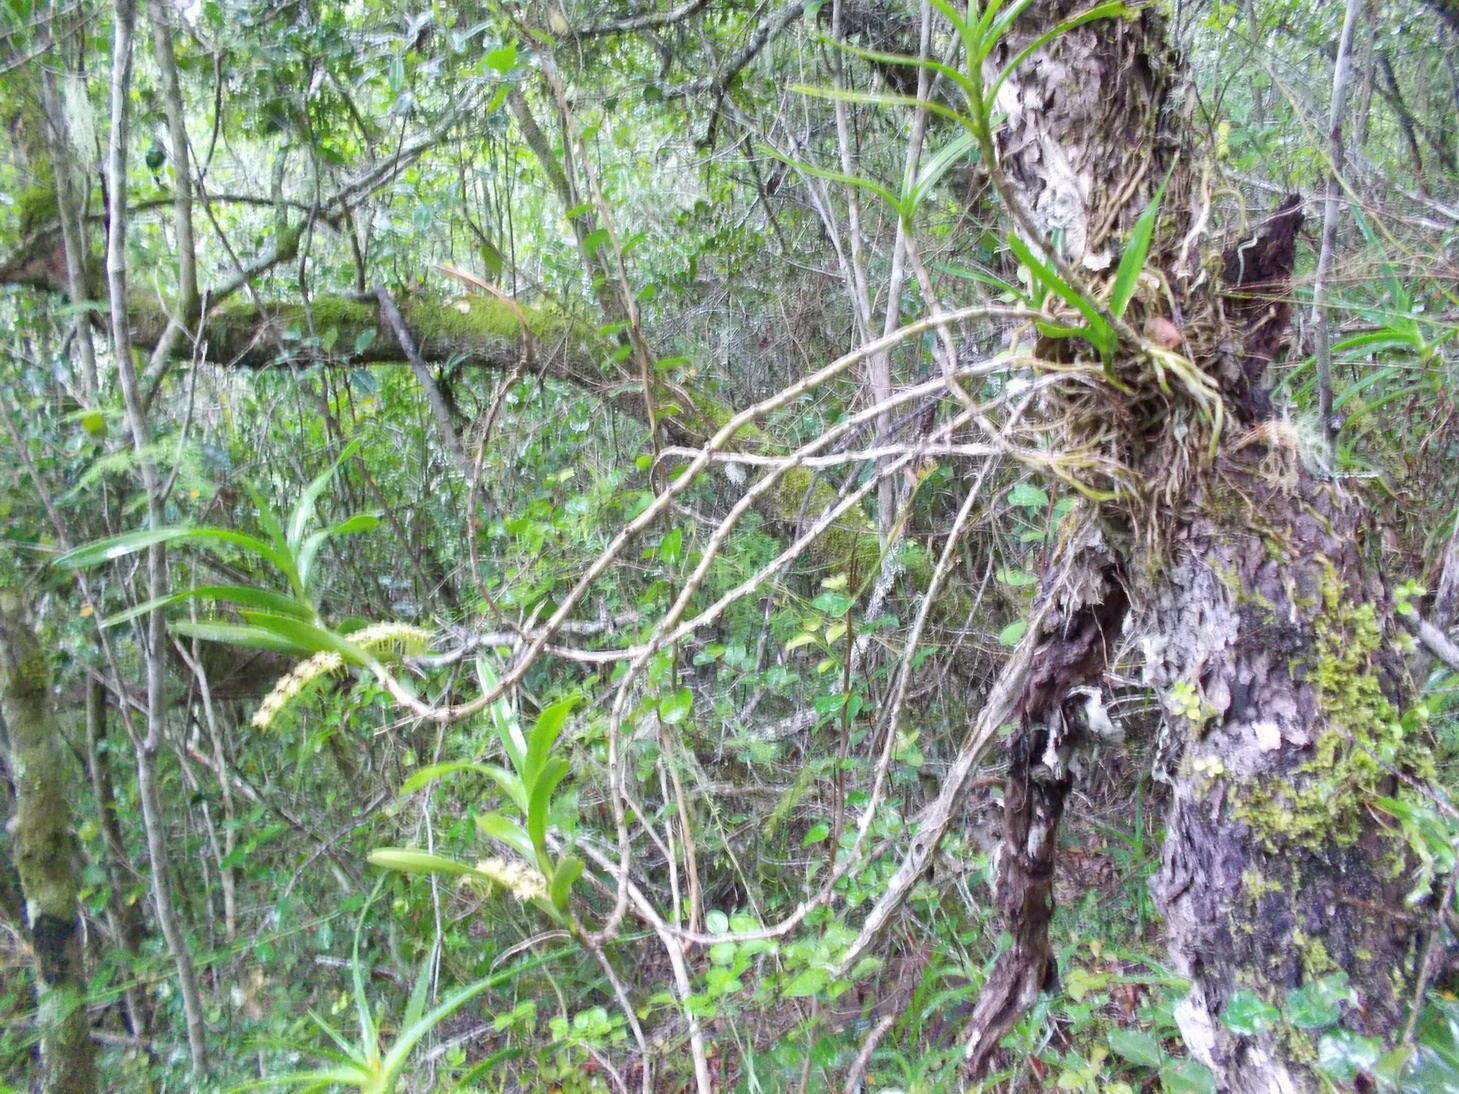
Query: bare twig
{"x": 1335, "y": 149}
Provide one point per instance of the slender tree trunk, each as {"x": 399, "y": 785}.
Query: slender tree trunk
{"x": 47, "y": 856}
{"x": 153, "y": 649}
{"x": 124, "y": 915}
{"x": 12, "y": 904}
{"x": 1264, "y": 626}
{"x": 1336, "y": 152}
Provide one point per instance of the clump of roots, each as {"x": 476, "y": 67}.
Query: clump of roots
{"x": 1135, "y": 433}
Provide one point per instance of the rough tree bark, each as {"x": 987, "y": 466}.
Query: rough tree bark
{"x": 47, "y": 856}
{"x": 1263, "y": 621}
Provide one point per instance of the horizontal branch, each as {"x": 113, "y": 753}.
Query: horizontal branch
{"x": 477, "y": 331}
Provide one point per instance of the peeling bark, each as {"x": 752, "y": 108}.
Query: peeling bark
{"x": 1088, "y": 604}
{"x": 1273, "y": 654}
{"x": 1264, "y": 626}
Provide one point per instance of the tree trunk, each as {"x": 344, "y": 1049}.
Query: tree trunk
{"x": 1271, "y": 647}
{"x": 1265, "y": 628}
{"x": 124, "y": 915}
{"x": 47, "y": 857}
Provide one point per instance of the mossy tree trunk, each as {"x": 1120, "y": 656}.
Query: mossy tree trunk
{"x": 47, "y": 856}
{"x": 1265, "y": 626}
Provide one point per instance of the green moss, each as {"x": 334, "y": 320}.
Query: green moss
{"x": 1361, "y": 738}
{"x": 332, "y": 311}
{"x": 850, "y": 544}
{"x": 478, "y": 317}
{"x": 1257, "y": 885}
{"x": 36, "y": 206}
{"x": 1315, "y": 959}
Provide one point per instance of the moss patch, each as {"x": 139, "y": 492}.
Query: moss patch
{"x": 1362, "y": 738}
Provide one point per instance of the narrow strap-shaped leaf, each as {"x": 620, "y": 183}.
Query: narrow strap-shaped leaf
{"x": 267, "y": 519}
{"x": 129, "y": 543}
{"x": 415, "y": 1006}
{"x": 994, "y": 27}
{"x": 983, "y": 277}
{"x": 545, "y": 731}
{"x": 507, "y": 831}
{"x": 948, "y": 71}
{"x": 1132, "y": 259}
{"x": 313, "y": 1079}
{"x": 884, "y": 98}
{"x": 408, "y": 860}
{"x": 304, "y": 510}
{"x": 1100, "y": 333}
{"x": 510, "y": 783}
{"x": 836, "y": 176}
{"x": 431, "y": 772}
{"x": 1100, "y": 11}
{"x": 540, "y": 802}
{"x": 937, "y": 166}
{"x": 567, "y": 872}
{"x": 360, "y": 522}
{"x": 315, "y": 639}
{"x": 249, "y": 595}
{"x": 237, "y": 634}
{"x": 411, "y": 1036}
{"x": 966, "y": 28}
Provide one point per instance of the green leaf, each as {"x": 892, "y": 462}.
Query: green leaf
{"x": 314, "y": 639}
{"x": 1188, "y": 1075}
{"x": 1016, "y": 579}
{"x": 304, "y": 511}
{"x": 1341, "y": 1054}
{"x": 407, "y": 860}
{"x": 567, "y": 872}
{"x": 1137, "y": 1046}
{"x": 817, "y": 832}
{"x": 407, "y": 1039}
{"x": 1317, "y": 1005}
{"x": 503, "y": 58}
{"x": 1100, "y": 334}
{"x": 1247, "y": 1013}
{"x": 309, "y": 549}
{"x": 807, "y": 982}
{"x": 540, "y": 800}
{"x": 507, "y": 831}
{"x": 431, "y": 772}
{"x": 1028, "y": 496}
{"x": 674, "y": 708}
{"x": 836, "y": 176}
{"x": 235, "y": 634}
{"x": 420, "y": 991}
{"x": 250, "y": 595}
{"x": 1099, "y": 11}
{"x": 1132, "y": 261}
{"x": 129, "y": 543}
{"x": 545, "y": 731}
{"x": 982, "y": 277}
{"x": 833, "y": 603}
{"x": 1010, "y": 634}
{"x": 938, "y": 165}
{"x": 511, "y": 785}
